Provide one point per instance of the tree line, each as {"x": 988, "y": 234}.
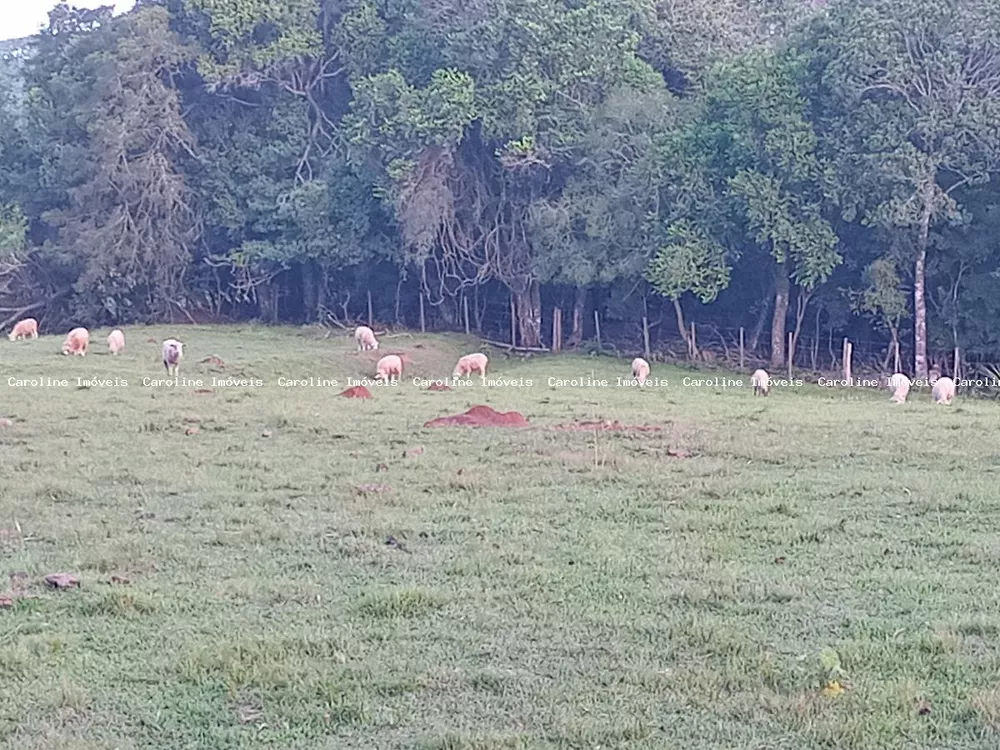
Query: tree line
{"x": 793, "y": 168}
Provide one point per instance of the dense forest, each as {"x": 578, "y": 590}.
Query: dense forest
{"x": 800, "y": 170}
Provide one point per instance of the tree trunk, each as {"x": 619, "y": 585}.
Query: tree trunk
{"x": 322, "y": 284}
{"x": 919, "y": 301}
{"x": 801, "y": 305}
{"x": 683, "y": 329}
{"x": 886, "y": 358}
{"x": 579, "y": 310}
{"x": 309, "y": 291}
{"x": 267, "y": 301}
{"x": 399, "y": 290}
{"x": 815, "y": 344}
{"x": 528, "y": 302}
{"x": 264, "y": 301}
{"x": 476, "y": 309}
{"x": 758, "y": 326}
{"x": 780, "y": 317}
{"x": 448, "y": 312}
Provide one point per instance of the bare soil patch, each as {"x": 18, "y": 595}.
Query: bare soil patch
{"x": 606, "y": 426}
{"x": 481, "y": 416}
{"x": 358, "y": 391}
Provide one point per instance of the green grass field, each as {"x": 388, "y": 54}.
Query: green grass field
{"x": 540, "y": 588}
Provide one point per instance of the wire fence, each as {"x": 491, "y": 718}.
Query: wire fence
{"x": 489, "y": 314}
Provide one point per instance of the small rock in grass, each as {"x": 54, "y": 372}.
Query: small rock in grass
{"x": 391, "y": 541}
{"x": 62, "y": 581}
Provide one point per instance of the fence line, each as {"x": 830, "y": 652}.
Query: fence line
{"x": 495, "y": 318}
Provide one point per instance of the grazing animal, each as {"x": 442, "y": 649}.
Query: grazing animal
{"x": 116, "y": 341}
{"x": 943, "y": 391}
{"x": 761, "y": 382}
{"x": 365, "y": 337}
{"x": 173, "y": 351}
{"x": 471, "y": 363}
{"x": 389, "y": 366}
{"x": 640, "y": 369}
{"x": 27, "y": 328}
{"x": 899, "y": 384}
{"x": 77, "y": 342}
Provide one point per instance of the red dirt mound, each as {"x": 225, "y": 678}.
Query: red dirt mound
{"x": 614, "y": 426}
{"x": 438, "y": 387}
{"x": 481, "y": 416}
{"x": 358, "y": 391}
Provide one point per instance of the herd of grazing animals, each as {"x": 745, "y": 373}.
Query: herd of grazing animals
{"x": 27, "y": 328}
{"x": 78, "y": 342}
{"x": 116, "y": 342}
{"x": 761, "y": 383}
{"x": 640, "y": 370}
{"x": 899, "y": 384}
{"x": 390, "y": 367}
{"x": 173, "y": 350}
{"x": 471, "y": 363}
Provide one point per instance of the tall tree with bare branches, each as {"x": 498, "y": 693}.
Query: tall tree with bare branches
{"x": 920, "y": 82}
{"x": 128, "y": 219}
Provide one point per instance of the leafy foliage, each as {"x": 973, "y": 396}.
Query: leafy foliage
{"x": 746, "y": 160}
{"x": 128, "y": 220}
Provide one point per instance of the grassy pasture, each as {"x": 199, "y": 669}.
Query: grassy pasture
{"x": 540, "y": 588}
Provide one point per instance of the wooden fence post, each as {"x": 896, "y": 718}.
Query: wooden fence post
{"x": 791, "y": 356}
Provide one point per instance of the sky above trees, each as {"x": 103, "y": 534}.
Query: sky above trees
{"x": 22, "y": 18}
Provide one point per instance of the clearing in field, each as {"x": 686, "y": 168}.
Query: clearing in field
{"x": 264, "y": 564}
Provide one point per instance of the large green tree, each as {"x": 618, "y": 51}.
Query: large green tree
{"x": 757, "y": 184}
{"x": 128, "y": 219}
{"x": 474, "y": 115}
{"x": 604, "y": 224}
{"x": 919, "y": 83}
{"x": 282, "y": 208}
